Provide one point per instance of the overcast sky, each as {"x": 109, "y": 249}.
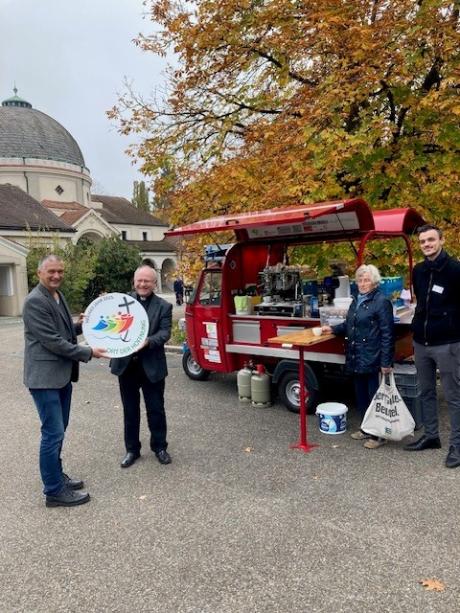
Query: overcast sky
{"x": 69, "y": 59}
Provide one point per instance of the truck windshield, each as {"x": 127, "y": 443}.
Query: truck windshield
{"x": 210, "y": 292}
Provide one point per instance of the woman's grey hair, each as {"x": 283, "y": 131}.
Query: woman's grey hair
{"x": 371, "y": 270}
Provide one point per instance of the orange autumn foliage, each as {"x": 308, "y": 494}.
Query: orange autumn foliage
{"x": 276, "y": 102}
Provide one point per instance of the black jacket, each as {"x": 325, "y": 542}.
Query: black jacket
{"x": 369, "y": 332}
{"x": 437, "y": 314}
{"x": 152, "y": 358}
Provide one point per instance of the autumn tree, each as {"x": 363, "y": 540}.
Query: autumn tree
{"x": 140, "y": 197}
{"x": 165, "y": 185}
{"x": 272, "y": 102}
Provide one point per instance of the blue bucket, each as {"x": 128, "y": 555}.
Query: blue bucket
{"x": 332, "y": 417}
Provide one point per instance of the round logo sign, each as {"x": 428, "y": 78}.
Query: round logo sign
{"x": 117, "y": 323}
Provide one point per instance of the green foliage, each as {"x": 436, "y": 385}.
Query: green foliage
{"x": 114, "y": 266}
{"x": 165, "y": 183}
{"x": 390, "y": 256}
{"x": 141, "y": 196}
{"x": 79, "y": 270}
{"x": 90, "y": 269}
{"x": 177, "y": 335}
{"x": 79, "y": 263}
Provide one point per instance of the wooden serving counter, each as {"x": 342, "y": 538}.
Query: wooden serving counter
{"x": 303, "y": 338}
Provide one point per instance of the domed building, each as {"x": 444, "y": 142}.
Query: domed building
{"x": 45, "y": 198}
{"x": 40, "y": 156}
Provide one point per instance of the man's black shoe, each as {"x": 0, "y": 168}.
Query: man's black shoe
{"x": 163, "y": 456}
{"x": 424, "y": 442}
{"x": 129, "y": 459}
{"x": 73, "y": 484}
{"x": 67, "y": 498}
{"x": 453, "y": 457}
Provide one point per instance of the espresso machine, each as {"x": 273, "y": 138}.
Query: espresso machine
{"x": 281, "y": 290}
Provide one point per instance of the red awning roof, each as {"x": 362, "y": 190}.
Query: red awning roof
{"x": 403, "y": 221}
{"x": 333, "y": 218}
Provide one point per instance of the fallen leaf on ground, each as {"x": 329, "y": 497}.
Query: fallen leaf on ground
{"x": 315, "y": 477}
{"x": 248, "y": 449}
{"x": 433, "y": 585}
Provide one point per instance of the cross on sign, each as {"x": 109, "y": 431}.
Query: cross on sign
{"x": 125, "y": 304}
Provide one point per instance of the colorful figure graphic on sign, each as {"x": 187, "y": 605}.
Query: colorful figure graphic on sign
{"x": 114, "y": 326}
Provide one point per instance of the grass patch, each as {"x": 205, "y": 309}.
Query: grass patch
{"x": 177, "y": 335}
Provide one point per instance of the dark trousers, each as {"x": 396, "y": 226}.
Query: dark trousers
{"x": 445, "y": 358}
{"x": 365, "y": 387}
{"x": 131, "y": 382}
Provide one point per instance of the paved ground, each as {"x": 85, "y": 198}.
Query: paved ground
{"x": 178, "y": 311}
{"x": 237, "y": 524}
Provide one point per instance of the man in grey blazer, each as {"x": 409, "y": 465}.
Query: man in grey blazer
{"x": 51, "y": 358}
{"x": 146, "y": 370}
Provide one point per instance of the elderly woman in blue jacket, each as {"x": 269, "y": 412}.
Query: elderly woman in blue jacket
{"x": 369, "y": 333}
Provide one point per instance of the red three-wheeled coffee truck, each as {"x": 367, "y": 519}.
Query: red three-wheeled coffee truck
{"x": 255, "y": 294}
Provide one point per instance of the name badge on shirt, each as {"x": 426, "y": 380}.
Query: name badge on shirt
{"x": 438, "y": 289}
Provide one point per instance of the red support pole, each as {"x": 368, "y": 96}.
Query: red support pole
{"x": 303, "y": 444}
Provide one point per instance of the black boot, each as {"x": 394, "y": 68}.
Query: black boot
{"x": 73, "y": 484}
{"x": 67, "y": 498}
{"x": 453, "y": 457}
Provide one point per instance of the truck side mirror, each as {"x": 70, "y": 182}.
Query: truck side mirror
{"x": 188, "y": 291}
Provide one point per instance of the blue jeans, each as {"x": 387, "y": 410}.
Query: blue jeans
{"x": 53, "y": 406}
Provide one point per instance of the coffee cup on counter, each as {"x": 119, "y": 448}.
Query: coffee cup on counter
{"x": 317, "y": 331}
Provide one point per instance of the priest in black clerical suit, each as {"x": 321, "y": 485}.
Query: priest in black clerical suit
{"x": 146, "y": 370}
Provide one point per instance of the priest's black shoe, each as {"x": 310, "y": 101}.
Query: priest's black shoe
{"x": 73, "y": 484}
{"x": 163, "y": 456}
{"x": 67, "y": 498}
{"x": 424, "y": 442}
{"x": 453, "y": 457}
{"x": 129, "y": 459}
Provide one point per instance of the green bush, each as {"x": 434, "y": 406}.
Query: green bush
{"x": 114, "y": 267}
{"x": 177, "y": 335}
{"x": 79, "y": 269}
{"x": 90, "y": 268}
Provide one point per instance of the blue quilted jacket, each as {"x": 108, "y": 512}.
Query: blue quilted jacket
{"x": 369, "y": 334}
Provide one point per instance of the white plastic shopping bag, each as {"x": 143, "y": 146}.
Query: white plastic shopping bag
{"x": 387, "y": 415}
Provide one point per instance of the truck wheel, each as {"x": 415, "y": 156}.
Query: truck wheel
{"x": 289, "y": 392}
{"x": 192, "y": 369}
